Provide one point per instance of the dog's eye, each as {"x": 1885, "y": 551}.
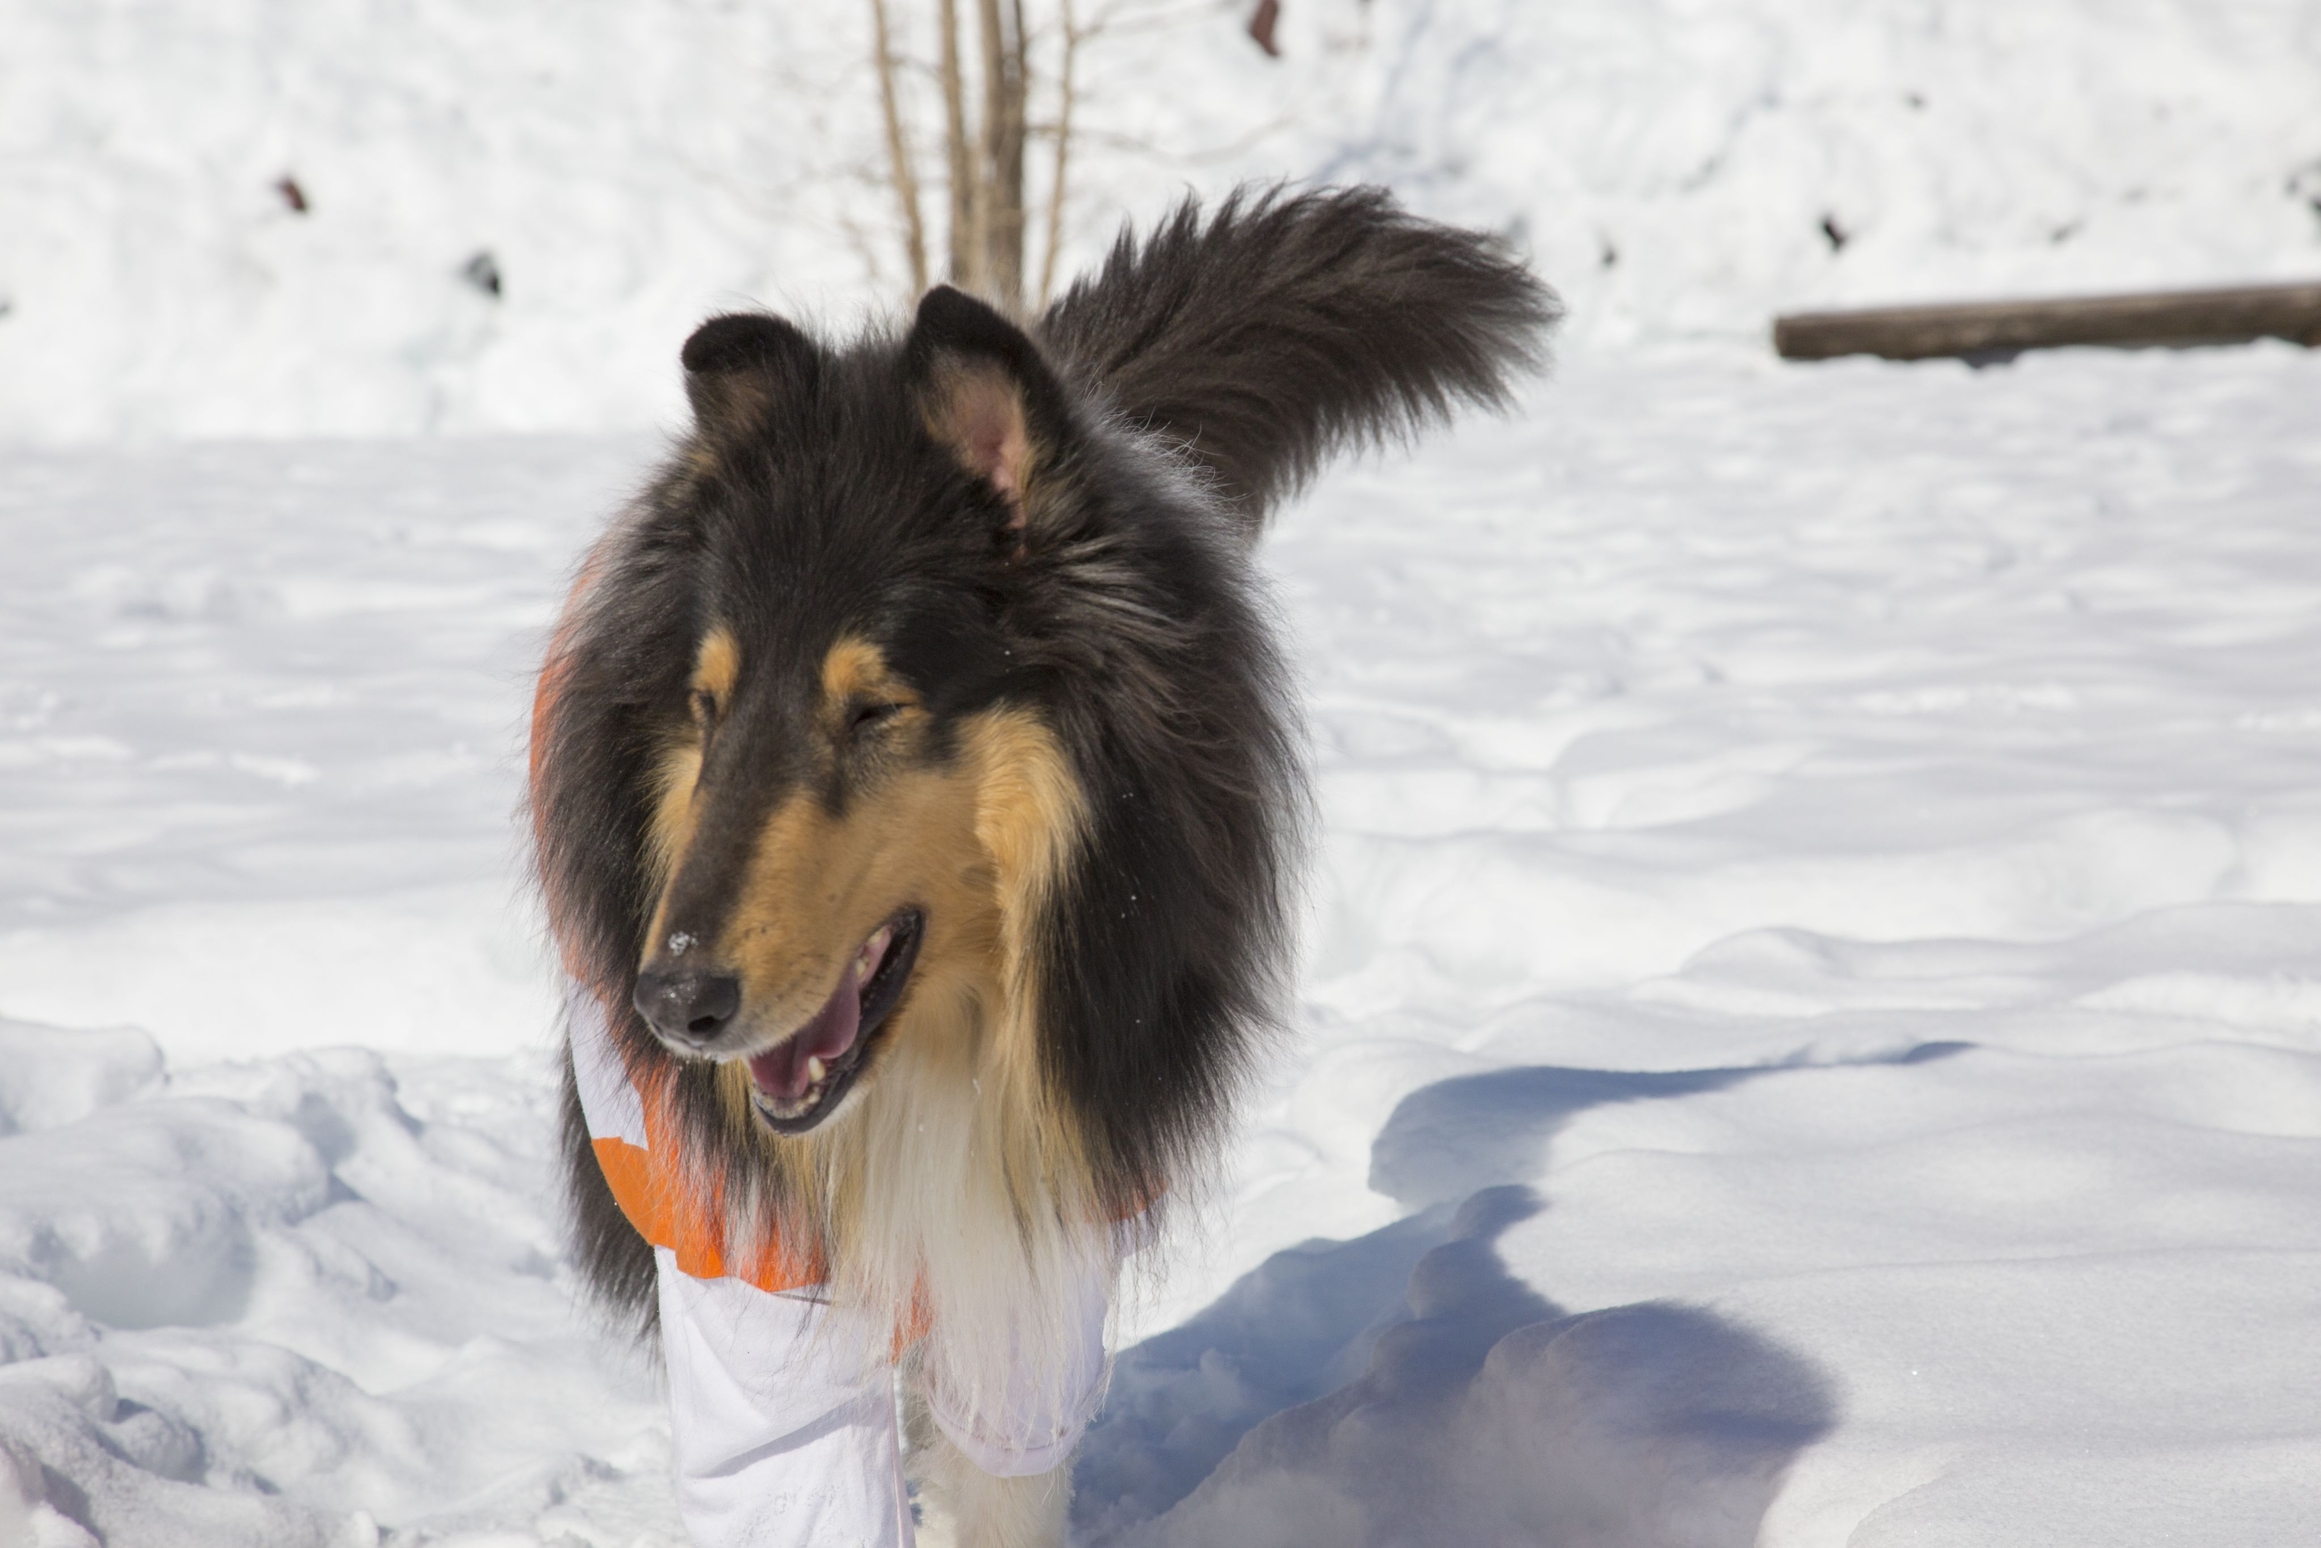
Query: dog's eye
{"x": 868, "y": 716}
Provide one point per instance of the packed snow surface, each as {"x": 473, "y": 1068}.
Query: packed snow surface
{"x": 506, "y": 215}
{"x": 1809, "y": 1032}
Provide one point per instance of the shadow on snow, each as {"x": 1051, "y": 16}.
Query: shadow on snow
{"x": 1403, "y": 1388}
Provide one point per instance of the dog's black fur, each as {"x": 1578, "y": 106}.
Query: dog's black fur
{"x": 1280, "y": 330}
{"x": 1175, "y": 397}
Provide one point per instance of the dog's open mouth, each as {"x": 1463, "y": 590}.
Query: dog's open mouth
{"x": 801, "y": 1080}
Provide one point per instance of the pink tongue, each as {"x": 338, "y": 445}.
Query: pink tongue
{"x": 781, "y": 1072}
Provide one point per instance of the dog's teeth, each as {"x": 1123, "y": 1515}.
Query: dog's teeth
{"x": 815, "y": 1070}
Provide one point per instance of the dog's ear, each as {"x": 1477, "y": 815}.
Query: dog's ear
{"x": 984, "y": 392}
{"x": 739, "y": 364}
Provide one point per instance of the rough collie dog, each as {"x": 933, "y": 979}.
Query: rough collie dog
{"x": 915, "y": 795}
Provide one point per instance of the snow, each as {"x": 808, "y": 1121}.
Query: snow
{"x": 284, "y": 1301}
{"x": 630, "y": 166}
{"x": 1843, "y": 842}
{"x": 262, "y": 720}
{"x": 1809, "y": 1032}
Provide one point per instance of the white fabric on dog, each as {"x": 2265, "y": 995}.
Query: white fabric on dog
{"x": 1040, "y": 1418}
{"x": 782, "y": 1407}
{"x": 610, "y": 1102}
{"x": 782, "y": 1410}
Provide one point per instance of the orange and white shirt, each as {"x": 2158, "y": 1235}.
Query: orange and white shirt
{"x": 782, "y": 1409}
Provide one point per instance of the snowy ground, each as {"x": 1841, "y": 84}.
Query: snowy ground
{"x": 1810, "y": 1016}
{"x": 1810, "y": 1032}
{"x": 1682, "y": 169}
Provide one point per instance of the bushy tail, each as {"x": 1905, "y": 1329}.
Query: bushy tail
{"x": 1287, "y": 327}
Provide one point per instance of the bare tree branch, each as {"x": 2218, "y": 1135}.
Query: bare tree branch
{"x": 906, "y": 177}
{"x": 999, "y": 184}
{"x": 966, "y": 252}
{"x": 1063, "y": 137}
{"x": 985, "y": 153}
{"x": 1019, "y": 95}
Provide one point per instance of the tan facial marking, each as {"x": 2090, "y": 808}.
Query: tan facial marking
{"x": 1029, "y": 818}
{"x": 855, "y": 670}
{"x": 671, "y": 829}
{"x": 956, "y": 1118}
{"x": 820, "y": 883}
{"x": 979, "y": 841}
{"x": 717, "y": 666}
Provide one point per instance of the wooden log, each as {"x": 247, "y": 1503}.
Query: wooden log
{"x": 1997, "y": 330}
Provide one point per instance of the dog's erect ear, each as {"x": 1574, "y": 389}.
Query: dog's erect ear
{"x": 738, "y": 364}
{"x": 985, "y": 393}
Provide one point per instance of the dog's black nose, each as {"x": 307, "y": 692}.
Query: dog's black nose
{"x": 688, "y": 1006}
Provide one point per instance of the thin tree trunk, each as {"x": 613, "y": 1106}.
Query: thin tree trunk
{"x": 1015, "y": 229}
{"x": 906, "y": 177}
{"x": 1057, "y": 185}
{"x": 999, "y": 209}
{"x": 966, "y": 270}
